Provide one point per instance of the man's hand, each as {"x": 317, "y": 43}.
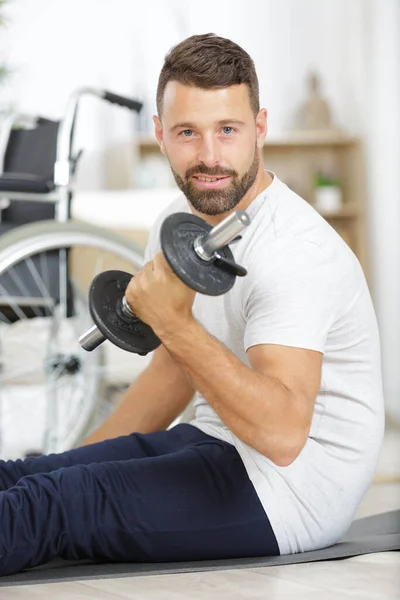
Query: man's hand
{"x": 159, "y": 298}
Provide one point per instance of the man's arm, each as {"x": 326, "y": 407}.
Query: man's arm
{"x": 268, "y": 406}
{"x": 151, "y": 403}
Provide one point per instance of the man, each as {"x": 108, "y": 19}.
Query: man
{"x": 285, "y": 368}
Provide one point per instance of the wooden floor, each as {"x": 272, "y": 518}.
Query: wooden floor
{"x": 369, "y": 577}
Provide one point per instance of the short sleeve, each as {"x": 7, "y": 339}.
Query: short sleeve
{"x": 291, "y": 296}
{"x": 153, "y": 245}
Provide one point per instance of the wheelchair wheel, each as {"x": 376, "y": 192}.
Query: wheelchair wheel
{"x": 52, "y": 393}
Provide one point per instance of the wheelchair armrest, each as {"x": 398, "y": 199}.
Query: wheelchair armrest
{"x": 24, "y": 182}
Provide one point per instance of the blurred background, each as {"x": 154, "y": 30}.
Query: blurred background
{"x": 329, "y": 74}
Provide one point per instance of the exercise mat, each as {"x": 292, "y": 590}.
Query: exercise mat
{"x": 377, "y": 533}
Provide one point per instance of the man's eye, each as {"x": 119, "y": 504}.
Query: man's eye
{"x": 227, "y": 130}
{"x": 187, "y": 133}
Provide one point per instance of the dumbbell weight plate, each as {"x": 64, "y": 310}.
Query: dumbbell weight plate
{"x": 105, "y": 304}
{"x": 177, "y": 235}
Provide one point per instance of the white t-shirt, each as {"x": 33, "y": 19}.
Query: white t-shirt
{"x": 304, "y": 288}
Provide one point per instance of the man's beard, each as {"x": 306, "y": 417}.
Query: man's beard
{"x": 217, "y": 202}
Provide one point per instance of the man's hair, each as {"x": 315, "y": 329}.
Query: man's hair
{"x": 208, "y": 61}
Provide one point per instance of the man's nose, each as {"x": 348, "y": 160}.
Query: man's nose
{"x": 208, "y": 152}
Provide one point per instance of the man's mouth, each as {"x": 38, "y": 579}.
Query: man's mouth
{"x": 209, "y": 177}
{"x": 210, "y": 181}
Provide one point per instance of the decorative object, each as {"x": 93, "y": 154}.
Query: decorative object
{"x": 315, "y": 113}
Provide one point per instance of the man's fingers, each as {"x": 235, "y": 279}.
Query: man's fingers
{"x": 160, "y": 262}
{"x": 147, "y": 270}
{"x": 140, "y": 276}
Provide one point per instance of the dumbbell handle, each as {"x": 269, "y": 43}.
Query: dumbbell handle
{"x": 93, "y": 337}
{"x": 221, "y": 235}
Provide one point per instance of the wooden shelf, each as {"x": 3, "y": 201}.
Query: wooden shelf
{"x": 292, "y": 139}
{"x": 346, "y": 212}
{"x": 144, "y": 140}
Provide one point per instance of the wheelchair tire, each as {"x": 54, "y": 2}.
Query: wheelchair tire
{"x": 19, "y": 247}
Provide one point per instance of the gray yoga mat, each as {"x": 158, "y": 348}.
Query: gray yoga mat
{"x": 378, "y": 533}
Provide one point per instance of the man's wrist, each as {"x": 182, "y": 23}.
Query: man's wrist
{"x": 173, "y": 333}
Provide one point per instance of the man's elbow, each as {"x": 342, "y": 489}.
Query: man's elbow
{"x": 285, "y": 459}
{"x": 285, "y": 452}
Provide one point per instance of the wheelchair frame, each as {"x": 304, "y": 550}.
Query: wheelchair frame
{"x": 64, "y": 167}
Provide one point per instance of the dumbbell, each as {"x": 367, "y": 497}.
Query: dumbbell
{"x": 197, "y": 253}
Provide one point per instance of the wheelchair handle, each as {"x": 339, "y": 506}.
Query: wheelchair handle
{"x": 65, "y": 162}
{"x": 122, "y": 101}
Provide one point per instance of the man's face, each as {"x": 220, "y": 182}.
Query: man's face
{"x": 212, "y": 140}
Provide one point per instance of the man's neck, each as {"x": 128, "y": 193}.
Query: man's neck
{"x": 261, "y": 183}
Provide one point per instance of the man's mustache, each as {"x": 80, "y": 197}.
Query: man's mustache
{"x": 214, "y": 172}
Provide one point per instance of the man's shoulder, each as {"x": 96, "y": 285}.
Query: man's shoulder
{"x": 289, "y": 223}
{"x": 178, "y": 204}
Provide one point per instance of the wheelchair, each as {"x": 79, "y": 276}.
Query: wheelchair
{"x": 43, "y": 293}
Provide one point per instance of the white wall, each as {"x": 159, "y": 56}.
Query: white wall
{"x": 381, "y": 119}
{"x": 55, "y": 46}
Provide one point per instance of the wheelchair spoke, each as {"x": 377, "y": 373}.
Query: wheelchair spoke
{"x": 23, "y": 289}
{"x": 15, "y": 374}
{"x": 38, "y": 280}
{"x": 44, "y": 269}
{"x": 16, "y": 308}
{"x": 4, "y": 318}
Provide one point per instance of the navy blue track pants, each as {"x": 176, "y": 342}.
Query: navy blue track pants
{"x": 166, "y": 496}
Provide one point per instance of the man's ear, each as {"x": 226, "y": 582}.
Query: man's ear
{"x": 261, "y": 125}
{"x": 158, "y": 130}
